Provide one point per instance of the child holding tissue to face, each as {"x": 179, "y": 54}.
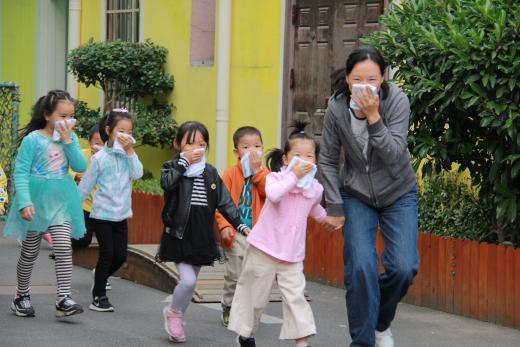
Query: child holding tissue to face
{"x": 47, "y": 199}
{"x": 112, "y": 169}
{"x": 246, "y": 184}
{"x": 193, "y": 190}
{"x": 277, "y": 243}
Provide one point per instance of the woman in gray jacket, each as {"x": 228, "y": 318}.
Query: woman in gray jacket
{"x": 377, "y": 187}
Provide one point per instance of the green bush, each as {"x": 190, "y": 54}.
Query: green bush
{"x": 86, "y": 118}
{"x": 129, "y": 71}
{"x": 153, "y": 124}
{"x": 137, "y": 68}
{"x": 450, "y": 208}
{"x": 150, "y": 186}
{"x": 459, "y": 62}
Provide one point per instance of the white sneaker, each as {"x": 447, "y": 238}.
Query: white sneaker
{"x": 384, "y": 338}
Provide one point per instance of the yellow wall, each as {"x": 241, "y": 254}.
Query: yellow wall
{"x": 255, "y": 62}
{"x": 18, "y": 41}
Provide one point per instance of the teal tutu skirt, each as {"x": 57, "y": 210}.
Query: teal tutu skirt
{"x": 55, "y": 202}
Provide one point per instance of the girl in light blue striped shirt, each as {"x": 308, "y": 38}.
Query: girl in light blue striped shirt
{"x": 112, "y": 170}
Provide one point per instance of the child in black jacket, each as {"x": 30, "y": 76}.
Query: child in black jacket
{"x": 193, "y": 191}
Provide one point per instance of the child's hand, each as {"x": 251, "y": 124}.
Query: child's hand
{"x": 127, "y": 143}
{"x": 65, "y": 131}
{"x": 227, "y": 234}
{"x": 193, "y": 156}
{"x": 27, "y": 213}
{"x": 2, "y": 211}
{"x": 255, "y": 161}
{"x": 301, "y": 169}
{"x": 332, "y": 223}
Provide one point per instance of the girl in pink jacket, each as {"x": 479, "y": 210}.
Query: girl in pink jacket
{"x": 277, "y": 243}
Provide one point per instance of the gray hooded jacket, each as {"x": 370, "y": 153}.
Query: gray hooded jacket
{"x": 386, "y": 174}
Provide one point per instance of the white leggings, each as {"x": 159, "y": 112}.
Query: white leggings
{"x": 183, "y": 291}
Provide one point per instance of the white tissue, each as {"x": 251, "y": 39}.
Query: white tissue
{"x": 247, "y": 170}
{"x": 355, "y": 106}
{"x": 305, "y": 182}
{"x": 117, "y": 144}
{"x": 195, "y": 169}
{"x": 60, "y": 124}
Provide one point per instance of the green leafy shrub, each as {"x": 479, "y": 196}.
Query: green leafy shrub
{"x": 448, "y": 207}
{"x": 459, "y": 62}
{"x": 86, "y": 118}
{"x": 137, "y": 68}
{"x": 130, "y": 70}
{"x": 150, "y": 186}
{"x": 153, "y": 124}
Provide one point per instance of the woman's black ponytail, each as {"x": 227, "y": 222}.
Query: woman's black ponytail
{"x": 274, "y": 158}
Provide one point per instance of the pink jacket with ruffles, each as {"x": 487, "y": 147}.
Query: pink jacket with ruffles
{"x": 282, "y": 225}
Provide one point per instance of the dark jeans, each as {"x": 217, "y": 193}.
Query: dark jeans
{"x": 372, "y": 297}
{"x": 113, "y": 242}
{"x": 85, "y": 241}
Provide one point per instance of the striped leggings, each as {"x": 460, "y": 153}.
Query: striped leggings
{"x": 31, "y": 248}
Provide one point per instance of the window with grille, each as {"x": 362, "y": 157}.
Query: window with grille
{"x": 122, "y": 20}
{"x": 122, "y": 23}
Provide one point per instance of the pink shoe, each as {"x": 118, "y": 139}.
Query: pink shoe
{"x": 47, "y": 237}
{"x": 173, "y": 325}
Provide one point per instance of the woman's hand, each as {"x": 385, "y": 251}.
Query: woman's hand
{"x": 301, "y": 169}
{"x": 333, "y": 223}
{"x": 65, "y": 131}
{"x": 27, "y": 213}
{"x": 368, "y": 104}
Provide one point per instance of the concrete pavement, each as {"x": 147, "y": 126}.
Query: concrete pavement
{"x": 138, "y": 319}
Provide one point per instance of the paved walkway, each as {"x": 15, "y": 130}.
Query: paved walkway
{"x": 138, "y": 320}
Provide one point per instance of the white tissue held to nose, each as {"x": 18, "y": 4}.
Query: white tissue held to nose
{"x": 305, "y": 182}
{"x": 245, "y": 161}
{"x": 117, "y": 144}
{"x": 195, "y": 169}
{"x": 60, "y": 124}
{"x": 356, "y": 87}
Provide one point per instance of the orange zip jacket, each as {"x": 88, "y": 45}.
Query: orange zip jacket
{"x": 234, "y": 180}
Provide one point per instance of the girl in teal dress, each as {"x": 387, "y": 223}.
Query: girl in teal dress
{"x": 47, "y": 199}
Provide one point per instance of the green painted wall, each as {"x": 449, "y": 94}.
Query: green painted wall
{"x": 18, "y": 49}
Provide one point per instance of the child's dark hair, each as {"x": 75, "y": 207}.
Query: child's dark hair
{"x": 93, "y": 131}
{"x": 111, "y": 120}
{"x": 358, "y": 55}
{"x": 45, "y": 105}
{"x": 274, "y": 158}
{"x": 191, "y": 128}
{"x": 247, "y": 130}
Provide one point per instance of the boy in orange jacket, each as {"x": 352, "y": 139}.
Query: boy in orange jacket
{"x": 246, "y": 184}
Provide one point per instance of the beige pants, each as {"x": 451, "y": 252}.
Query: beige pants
{"x": 254, "y": 289}
{"x": 235, "y": 257}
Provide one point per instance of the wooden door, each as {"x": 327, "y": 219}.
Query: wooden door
{"x": 325, "y": 32}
